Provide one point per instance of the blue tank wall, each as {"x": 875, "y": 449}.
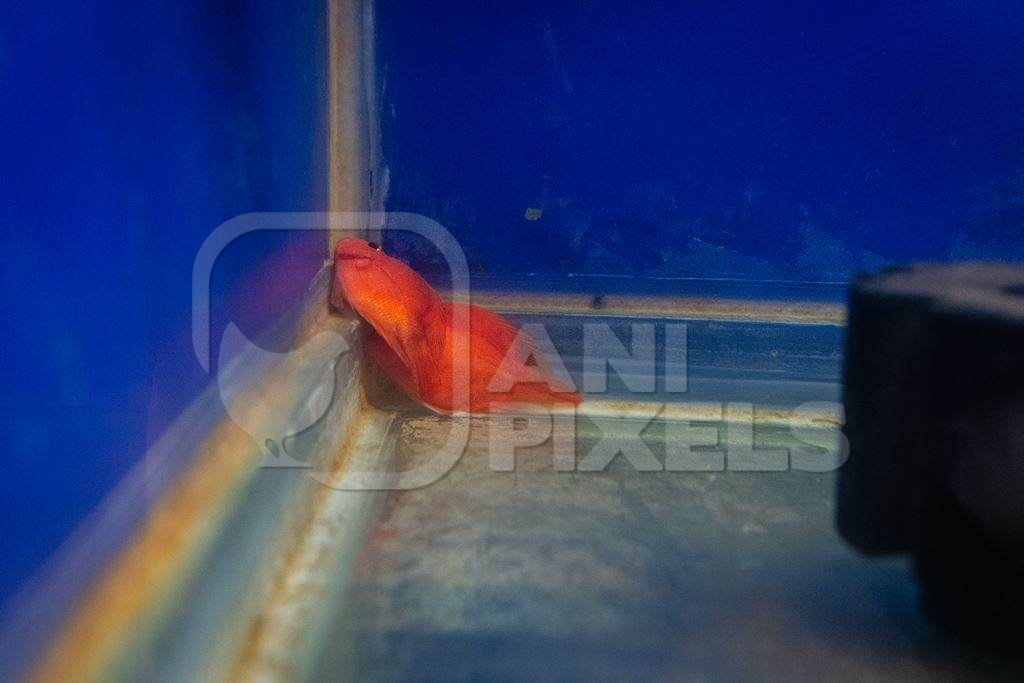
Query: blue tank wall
{"x": 794, "y": 140}
{"x": 131, "y": 130}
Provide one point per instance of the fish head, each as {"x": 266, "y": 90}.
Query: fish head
{"x": 383, "y": 290}
{"x": 357, "y": 253}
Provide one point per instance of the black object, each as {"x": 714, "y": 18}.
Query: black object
{"x": 934, "y": 396}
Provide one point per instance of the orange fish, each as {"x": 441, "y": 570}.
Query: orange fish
{"x": 416, "y": 342}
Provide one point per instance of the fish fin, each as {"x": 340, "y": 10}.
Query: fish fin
{"x": 389, "y": 361}
{"x": 500, "y": 334}
{"x": 492, "y": 328}
{"x": 495, "y": 339}
{"x": 408, "y": 348}
{"x": 403, "y": 352}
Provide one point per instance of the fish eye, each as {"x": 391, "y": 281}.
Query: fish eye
{"x": 374, "y": 246}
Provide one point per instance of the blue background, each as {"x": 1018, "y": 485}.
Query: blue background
{"x": 131, "y": 130}
{"x": 742, "y": 140}
{"x": 751, "y": 142}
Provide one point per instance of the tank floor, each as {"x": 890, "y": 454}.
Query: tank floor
{"x": 539, "y": 574}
